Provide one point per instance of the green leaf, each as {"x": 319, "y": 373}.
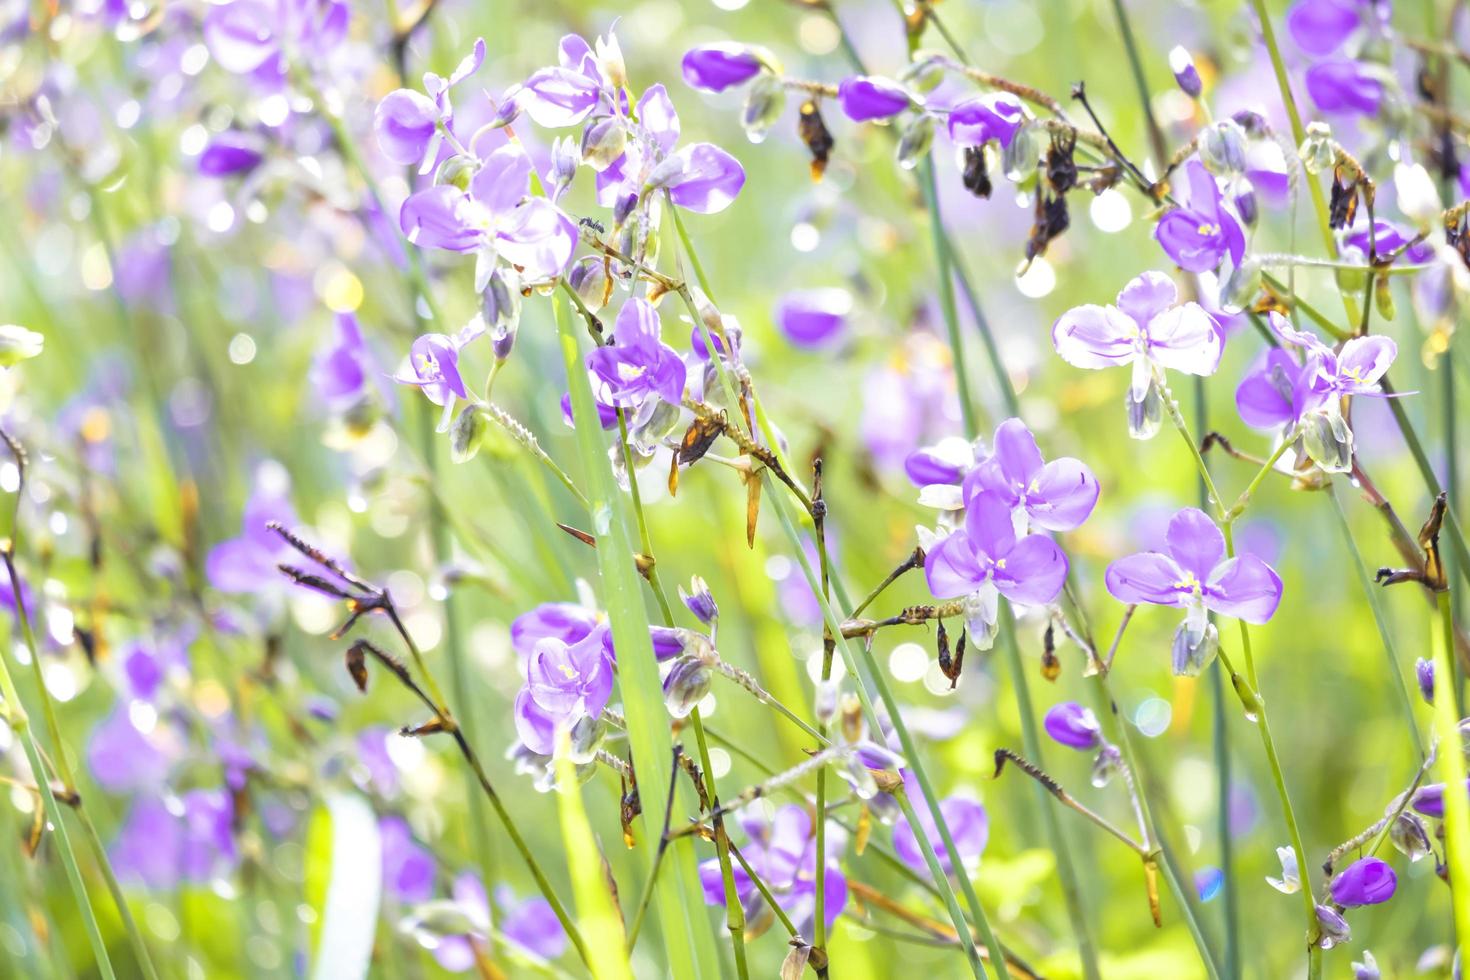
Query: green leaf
{"x": 344, "y": 886}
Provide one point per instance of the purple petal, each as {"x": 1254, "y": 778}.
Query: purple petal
{"x": 1195, "y": 542}
{"x": 1065, "y": 494}
{"x": 1185, "y": 339}
{"x": 1363, "y": 361}
{"x": 988, "y": 524}
{"x": 709, "y": 179}
{"x": 1072, "y": 725}
{"x": 1320, "y": 26}
{"x": 1147, "y": 296}
{"x": 813, "y": 318}
{"x": 1094, "y": 337}
{"x": 470, "y": 63}
{"x": 1245, "y": 588}
{"x": 1367, "y": 881}
{"x": 241, "y": 35}
{"x": 230, "y": 153}
{"x": 656, "y": 113}
{"x": 437, "y": 218}
{"x": 404, "y": 123}
{"x": 1016, "y": 452}
{"x": 503, "y": 180}
{"x": 1264, "y": 396}
{"x": 535, "y": 726}
{"x": 716, "y": 67}
{"x": 951, "y": 569}
{"x": 1192, "y": 240}
{"x": 976, "y": 121}
{"x": 540, "y": 239}
{"x": 1034, "y": 571}
{"x": 559, "y": 97}
{"x": 565, "y": 621}
{"x": 1146, "y": 577}
{"x": 1341, "y": 85}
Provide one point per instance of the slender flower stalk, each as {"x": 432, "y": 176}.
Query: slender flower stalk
{"x": 1452, "y": 774}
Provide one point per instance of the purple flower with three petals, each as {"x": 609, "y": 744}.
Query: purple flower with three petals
{"x": 1343, "y": 86}
{"x": 813, "y": 319}
{"x": 1147, "y": 331}
{"x": 496, "y": 219}
{"x": 716, "y": 67}
{"x": 1201, "y": 234}
{"x": 985, "y": 559}
{"x": 564, "y": 684}
{"x": 1367, "y": 881}
{"x": 433, "y": 367}
{"x": 868, "y": 97}
{"x": 783, "y": 852}
{"x": 1196, "y": 576}
{"x": 410, "y": 126}
{"x": 637, "y": 365}
{"x": 1074, "y": 726}
{"x": 565, "y": 95}
{"x": 977, "y": 121}
{"x": 1056, "y": 496}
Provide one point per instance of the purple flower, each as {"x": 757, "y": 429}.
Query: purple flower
{"x": 637, "y": 365}
{"x": 410, "y": 126}
{"x": 1344, "y": 86}
{"x": 408, "y": 867}
{"x": 1389, "y": 237}
{"x": 122, "y": 758}
{"x": 564, "y": 683}
{"x": 165, "y": 842}
{"x": 253, "y": 37}
{"x": 1196, "y": 576}
{"x": 985, "y": 558}
{"x": 1320, "y": 26}
{"x": 1274, "y": 393}
{"x": 1199, "y": 236}
{"x": 866, "y": 97}
{"x": 977, "y": 121}
{"x": 716, "y": 67}
{"x": 1056, "y": 496}
{"x": 1430, "y": 799}
{"x": 967, "y": 822}
{"x": 1367, "y": 881}
{"x": 607, "y": 415}
{"x": 531, "y": 925}
{"x": 1145, "y": 330}
{"x": 231, "y": 153}
{"x": 568, "y": 93}
{"x": 495, "y": 218}
{"x": 341, "y": 369}
{"x": 248, "y": 563}
{"x": 433, "y": 366}
{"x": 1074, "y": 726}
{"x": 783, "y": 852}
{"x": 702, "y": 178}
{"x": 1186, "y": 75}
{"x": 813, "y": 319}
{"x": 930, "y": 466}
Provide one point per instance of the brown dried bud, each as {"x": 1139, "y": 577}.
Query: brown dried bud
{"x": 357, "y": 665}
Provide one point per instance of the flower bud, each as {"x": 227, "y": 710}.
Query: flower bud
{"x": 1193, "y": 650}
{"x": 500, "y": 308}
{"x": 1241, "y": 286}
{"x": 1222, "y": 148}
{"x": 716, "y": 67}
{"x": 763, "y": 106}
{"x": 456, "y": 171}
{"x": 687, "y": 684}
{"x": 1333, "y": 928}
{"x": 1245, "y": 203}
{"x": 1018, "y": 158}
{"x": 509, "y": 109}
{"x": 1316, "y": 151}
{"x": 1185, "y": 74}
{"x": 1145, "y": 414}
{"x": 825, "y": 702}
{"x": 925, "y": 73}
{"x": 868, "y": 97}
{"x": 18, "y": 344}
{"x": 588, "y": 279}
{"x": 917, "y": 137}
{"x": 1074, "y": 726}
{"x": 1409, "y": 836}
{"x": 585, "y": 738}
{"x": 565, "y": 158}
{"x": 699, "y": 601}
{"x": 1367, "y": 968}
{"x": 1328, "y": 440}
{"x": 603, "y": 141}
{"x": 1367, "y": 881}
{"x": 1424, "y": 674}
{"x": 466, "y": 434}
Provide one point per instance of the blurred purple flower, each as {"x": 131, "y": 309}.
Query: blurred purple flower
{"x": 1200, "y": 235}
{"x": 607, "y": 415}
{"x": 531, "y": 925}
{"x": 341, "y": 368}
{"x": 716, "y": 67}
{"x": 1424, "y": 675}
{"x": 1208, "y": 882}
{"x": 977, "y": 121}
{"x": 372, "y": 752}
{"x": 783, "y": 852}
{"x": 867, "y": 97}
{"x": 1074, "y": 726}
{"x": 122, "y": 759}
{"x": 637, "y": 365}
{"x": 408, "y": 867}
{"x": 1344, "y": 86}
{"x": 1320, "y": 26}
{"x": 248, "y": 563}
{"x": 813, "y": 319}
{"x": 967, "y": 822}
{"x": 254, "y": 37}
{"x": 231, "y": 153}
{"x": 1429, "y": 800}
{"x": 1056, "y": 496}
{"x": 163, "y": 843}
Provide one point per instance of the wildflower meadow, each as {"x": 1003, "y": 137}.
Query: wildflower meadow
{"x": 734, "y": 488}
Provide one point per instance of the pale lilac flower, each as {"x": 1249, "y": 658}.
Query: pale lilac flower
{"x": 1290, "y": 881}
{"x": 162, "y": 845}
{"x": 564, "y": 684}
{"x": 1200, "y": 235}
{"x": 262, "y": 38}
{"x": 783, "y": 852}
{"x": 1056, "y": 496}
{"x": 410, "y": 126}
{"x": 496, "y": 218}
{"x": 716, "y": 67}
{"x": 565, "y": 621}
{"x": 637, "y": 365}
{"x": 248, "y": 563}
{"x": 408, "y": 867}
{"x": 531, "y": 925}
{"x": 1072, "y": 725}
{"x": 985, "y": 559}
{"x": 977, "y": 121}
{"x": 1321, "y": 26}
{"x": 867, "y": 97}
{"x": 813, "y": 319}
{"x": 968, "y": 824}
{"x": 1196, "y": 576}
{"x": 433, "y": 367}
{"x": 568, "y": 93}
{"x": 1367, "y": 881}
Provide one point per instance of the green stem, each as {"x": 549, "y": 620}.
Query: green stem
{"x": 958, "y": 917}
{"x": 1452, "y": 774}
{"x": 946, "y": 298}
